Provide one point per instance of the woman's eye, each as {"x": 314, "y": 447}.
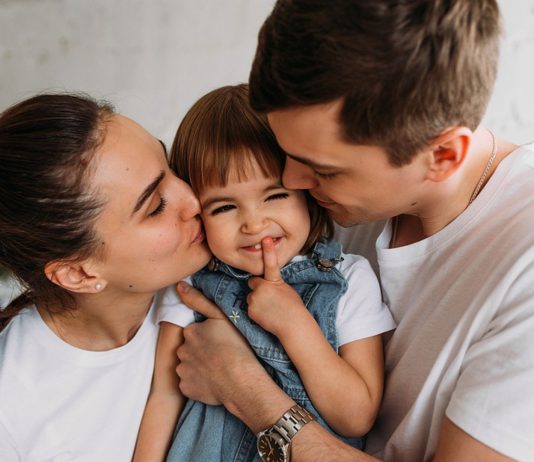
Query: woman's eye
{"x": 160, "y": 208}
{"x": 222, "y": 209}
{"x": 273, "y": 197}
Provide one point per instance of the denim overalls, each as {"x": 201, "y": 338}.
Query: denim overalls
{"x": 210, "y": 433}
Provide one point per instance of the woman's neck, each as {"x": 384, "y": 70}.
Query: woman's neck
{"x": 99, "y": 322}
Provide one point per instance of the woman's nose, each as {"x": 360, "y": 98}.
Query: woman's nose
{"x": 188, "y": 204}
{"x": 297, "y": 175}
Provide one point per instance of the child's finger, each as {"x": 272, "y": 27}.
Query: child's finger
{"x": 271, "y": 272}
{"x": 196, "y": 300}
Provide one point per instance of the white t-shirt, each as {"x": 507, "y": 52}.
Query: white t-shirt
{"x": 360, "y": 312}
{"x": 463, "y": 300}
{"x": 59, "y": 403}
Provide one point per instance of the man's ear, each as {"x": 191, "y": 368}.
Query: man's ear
{"x": 448, "y": 152}
{"x": 74, "y": 276}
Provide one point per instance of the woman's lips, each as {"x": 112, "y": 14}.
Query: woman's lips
{"x": 199, "y": 236}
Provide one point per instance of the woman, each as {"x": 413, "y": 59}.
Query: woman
{"x": 93, "y": 223}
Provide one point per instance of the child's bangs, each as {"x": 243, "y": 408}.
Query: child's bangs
{"x": 216, "y": 167}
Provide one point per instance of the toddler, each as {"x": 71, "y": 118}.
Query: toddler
{"x": 313, "y": 315}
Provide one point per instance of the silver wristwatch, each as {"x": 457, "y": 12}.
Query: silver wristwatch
{"x": 274, "y": 443}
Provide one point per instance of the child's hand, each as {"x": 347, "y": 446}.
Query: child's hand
{"x": 273, "y": 304}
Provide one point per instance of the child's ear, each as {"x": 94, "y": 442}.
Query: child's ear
{"x": 74, "y": 276}
{"x": 447, "y": 152}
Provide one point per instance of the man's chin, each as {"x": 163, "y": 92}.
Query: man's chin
{"x": 345, "y": 219}
{"x": 342, "y": 219}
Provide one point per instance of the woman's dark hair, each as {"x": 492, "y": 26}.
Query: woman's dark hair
{"x": 47, "y": 210}
{"x": 221, "y": 132}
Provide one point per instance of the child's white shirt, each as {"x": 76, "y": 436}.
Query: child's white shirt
{"x": 360, "y": 313}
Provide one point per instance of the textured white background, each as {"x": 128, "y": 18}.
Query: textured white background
{"x": 154, "y": 58}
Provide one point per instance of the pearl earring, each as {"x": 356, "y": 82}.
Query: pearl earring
{"x": 98, "y": 286}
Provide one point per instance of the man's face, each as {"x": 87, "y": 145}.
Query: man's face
{"x": 356, "y": 183}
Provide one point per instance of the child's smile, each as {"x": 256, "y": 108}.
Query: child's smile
{"x": 238, "y": 216}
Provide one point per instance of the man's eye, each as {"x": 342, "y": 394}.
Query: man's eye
{"x": 326, "y": 176}
{"x": 273, "y": 197}
{"x": 222, "y": 209}
{"x": 160, "y": 208}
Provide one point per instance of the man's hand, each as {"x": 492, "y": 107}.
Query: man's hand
{"x": 273, "y": 304}
{"x": 213, "y": 354}
{"x": 217, "y": 366}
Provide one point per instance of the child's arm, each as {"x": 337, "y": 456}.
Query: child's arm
{"x": 345, "y": 389}
{"x": 165, "y": 402}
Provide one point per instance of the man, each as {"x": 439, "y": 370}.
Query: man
{"x": 378, "y": 106}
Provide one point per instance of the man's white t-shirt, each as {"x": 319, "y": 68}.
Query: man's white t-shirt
{"x": 463, "y": 301}
{"x": 360, "y": 311}
{"x": 59, "y": 403}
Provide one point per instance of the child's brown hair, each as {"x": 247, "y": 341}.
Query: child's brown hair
{"x": 220, "y": 133}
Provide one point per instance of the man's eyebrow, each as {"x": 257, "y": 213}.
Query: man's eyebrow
{"x": 311, "y": 163}
{"x": 148, "y": 191}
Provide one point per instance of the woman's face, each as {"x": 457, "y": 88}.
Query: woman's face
{"x": 149, "y": 228}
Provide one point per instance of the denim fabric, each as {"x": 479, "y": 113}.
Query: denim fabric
{"x": 210, "y": 433}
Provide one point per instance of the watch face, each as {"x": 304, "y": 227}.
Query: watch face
{"x": 271, "y": 449}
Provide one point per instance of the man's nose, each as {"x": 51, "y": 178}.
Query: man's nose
{"x": 296, "y": 175}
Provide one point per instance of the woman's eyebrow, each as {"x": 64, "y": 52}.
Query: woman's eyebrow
{"x": 148, "y": 191}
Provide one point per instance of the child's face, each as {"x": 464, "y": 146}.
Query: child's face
{"x": 239, "y": 215}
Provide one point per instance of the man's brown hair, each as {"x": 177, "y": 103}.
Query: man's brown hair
{"x": 405, "y": 70}
{"x": 222, "y": 132}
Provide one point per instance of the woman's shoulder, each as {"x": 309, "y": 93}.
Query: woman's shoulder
{"x": 23, "y": 321}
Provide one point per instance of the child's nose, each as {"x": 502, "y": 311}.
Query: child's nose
{"x": 254, "y": 224}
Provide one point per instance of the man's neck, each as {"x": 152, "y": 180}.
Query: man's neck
{"x": 449, "y": 199}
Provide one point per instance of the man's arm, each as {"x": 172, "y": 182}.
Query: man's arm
{"x": 217, "y": 366}
{"x": 455, "y": 445}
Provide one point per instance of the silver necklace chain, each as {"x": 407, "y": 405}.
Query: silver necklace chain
{"x": 486, "y": 169}
{"x": 478, "y": 187}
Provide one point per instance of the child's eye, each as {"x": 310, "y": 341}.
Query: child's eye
{"x": 278, "y": 196}
{"x": 222, "y": 209}
{"x": 160, "y": 208}
{"x": 326, "y": 176}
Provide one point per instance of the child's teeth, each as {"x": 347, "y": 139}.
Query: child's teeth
{"x": 257, "y": 246}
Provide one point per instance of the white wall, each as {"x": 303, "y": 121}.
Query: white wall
{"x": 154, "y": 58}
{"x": 151, "y": 58}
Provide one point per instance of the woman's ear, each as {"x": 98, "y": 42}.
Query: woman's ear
{"x": 74, "y": 276}
{"x": 448, "y": 152}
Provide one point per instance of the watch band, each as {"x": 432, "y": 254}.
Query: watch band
{"x": 292, "y": 421}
